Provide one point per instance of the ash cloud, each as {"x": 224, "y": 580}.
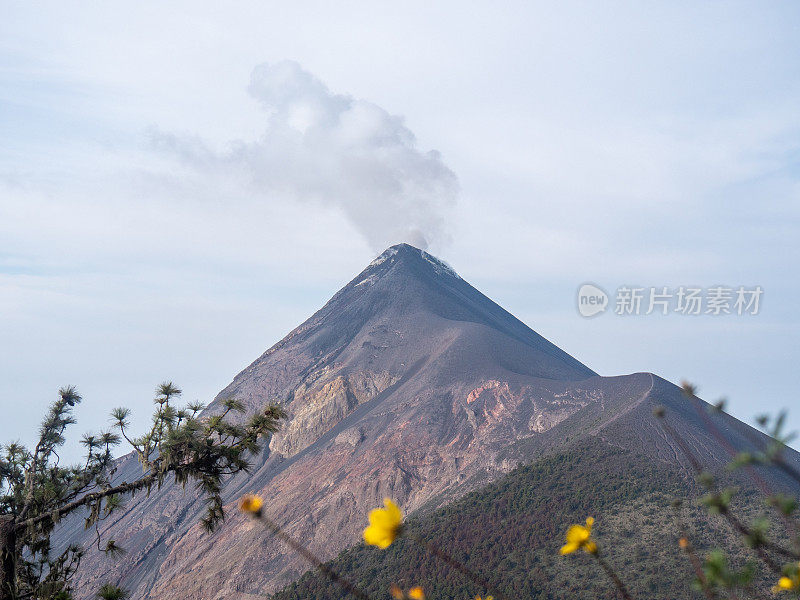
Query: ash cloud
{"x": 334, "y": 150}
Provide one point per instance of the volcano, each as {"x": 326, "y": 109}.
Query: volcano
{"x": 409, "y": 383}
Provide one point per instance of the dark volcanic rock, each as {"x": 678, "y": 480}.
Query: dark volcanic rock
{"x": 408, "y": 383}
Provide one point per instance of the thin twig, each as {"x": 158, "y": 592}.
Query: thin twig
{"x": 458, "y": 566}
{"x": 698, "y": 569}
{"x": 613, "y": 576}
{"x": 712, "y": 427}
{"x": 735, "y": 523}
{"x": 776, "y": 460}
{"x": 312, "y": 558}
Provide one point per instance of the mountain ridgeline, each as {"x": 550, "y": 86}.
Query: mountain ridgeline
{"x": 410, "y": 383}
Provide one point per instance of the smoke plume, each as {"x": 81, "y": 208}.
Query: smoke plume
{"x": 335, "y": 150}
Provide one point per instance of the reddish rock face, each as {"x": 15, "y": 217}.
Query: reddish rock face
{"x": 408, "y": 383}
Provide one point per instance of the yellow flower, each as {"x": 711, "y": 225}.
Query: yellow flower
{"x": 414, "y": 593}
{"x": 384, "y": 525}
{"x": 487, "y": 598}
{"x": 250, "y": 503}
{"x": 790, "y": 582}
{"x": 578, "y": 537}
{"x": 784, "y": 583}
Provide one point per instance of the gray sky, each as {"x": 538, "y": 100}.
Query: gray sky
{"x": 181, "y": 184}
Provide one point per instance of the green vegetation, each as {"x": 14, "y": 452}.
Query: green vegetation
{"x": 36, "y": 491}
{"x": 111, "y": 592}
{"x": 509, "y": 533}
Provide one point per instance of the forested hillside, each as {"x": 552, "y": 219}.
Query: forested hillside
{"x": 510, "y": 531}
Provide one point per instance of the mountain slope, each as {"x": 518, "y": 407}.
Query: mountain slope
{"x": 510, "y": 532}
{"x": 408, "y": 383}
{"x": 611, "y": 460}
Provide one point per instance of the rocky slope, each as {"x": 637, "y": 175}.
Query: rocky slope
{"x": 408, "y": 383}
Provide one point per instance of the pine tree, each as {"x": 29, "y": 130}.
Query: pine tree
{"x": 182, "y": 445}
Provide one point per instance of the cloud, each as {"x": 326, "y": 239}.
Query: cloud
{"x": 334, "y": 150}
